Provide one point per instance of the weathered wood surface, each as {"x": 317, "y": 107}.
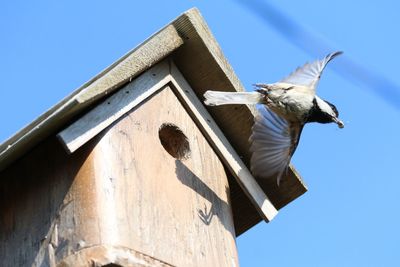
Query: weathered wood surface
{"x": 32, "y": 195}
{"x": 122, "y": 189}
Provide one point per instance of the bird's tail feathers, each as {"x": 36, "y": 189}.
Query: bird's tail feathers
{"x": 216, "y": 98}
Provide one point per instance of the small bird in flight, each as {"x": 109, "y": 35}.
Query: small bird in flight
{"x": 287, "y": 106}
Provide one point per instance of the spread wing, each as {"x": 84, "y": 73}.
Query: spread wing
{"x": 309, "y": 74}
{"x": 273, "y": 142}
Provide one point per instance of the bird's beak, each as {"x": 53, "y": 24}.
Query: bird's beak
{"x": 339, "y": 123}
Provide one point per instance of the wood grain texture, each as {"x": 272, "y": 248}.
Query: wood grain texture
{"x": 122, "y": 189}
{"x": 32, "y": 197}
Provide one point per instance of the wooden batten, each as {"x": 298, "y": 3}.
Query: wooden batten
{"x": 114, "y": 107}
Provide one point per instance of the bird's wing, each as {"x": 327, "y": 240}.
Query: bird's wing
{"x": 273, "y": 142}
{"x": 308, "y": 75}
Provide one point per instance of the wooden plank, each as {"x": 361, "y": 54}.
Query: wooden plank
{"x": 141, "y": 58}
{"x": 32, "y": 196}
{"x": 122, "y": 71}
{"x": 217, "y": 139}
{"x": 115, "y": 106}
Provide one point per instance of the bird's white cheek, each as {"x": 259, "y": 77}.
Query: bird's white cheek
{"x": 325, "y": 107}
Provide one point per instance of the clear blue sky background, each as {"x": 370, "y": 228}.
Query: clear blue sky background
{"x": 350, "y": 216}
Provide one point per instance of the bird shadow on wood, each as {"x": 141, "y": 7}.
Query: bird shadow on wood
{"x": 206, "y": 216}
{"x": 219, "y": 207}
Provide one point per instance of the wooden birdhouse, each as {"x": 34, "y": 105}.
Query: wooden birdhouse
{"x": 132, "y": 169}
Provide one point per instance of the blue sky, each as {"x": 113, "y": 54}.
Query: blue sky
{"x": 350, "y": 216}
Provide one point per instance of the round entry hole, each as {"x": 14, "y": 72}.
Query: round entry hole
{"x": 174, "y": 141}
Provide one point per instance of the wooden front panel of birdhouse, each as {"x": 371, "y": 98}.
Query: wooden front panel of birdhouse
{"x": 152, "y": 184}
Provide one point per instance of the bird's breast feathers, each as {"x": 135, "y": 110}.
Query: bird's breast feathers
{"x": 293, "y": 103}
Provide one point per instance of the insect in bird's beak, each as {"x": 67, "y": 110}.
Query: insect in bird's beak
{"x": 338, "y": 122}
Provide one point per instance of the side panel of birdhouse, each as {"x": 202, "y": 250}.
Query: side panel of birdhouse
{"x": 33, "y": 194}
{"x": 154, "y": 185}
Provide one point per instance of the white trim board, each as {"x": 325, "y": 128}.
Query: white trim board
{"x": 114, "y": 107}
{"x": 131, "y": 95}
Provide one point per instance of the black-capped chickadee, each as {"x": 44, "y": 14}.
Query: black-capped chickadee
{"x": 287, "y": 106}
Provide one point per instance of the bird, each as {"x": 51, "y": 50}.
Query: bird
{"x": 286, "y": 106}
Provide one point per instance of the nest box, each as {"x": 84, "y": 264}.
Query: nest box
{"x": 133, "y": 170}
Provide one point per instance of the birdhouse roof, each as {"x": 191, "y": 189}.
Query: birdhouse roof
{"x": 188, "y": 42}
